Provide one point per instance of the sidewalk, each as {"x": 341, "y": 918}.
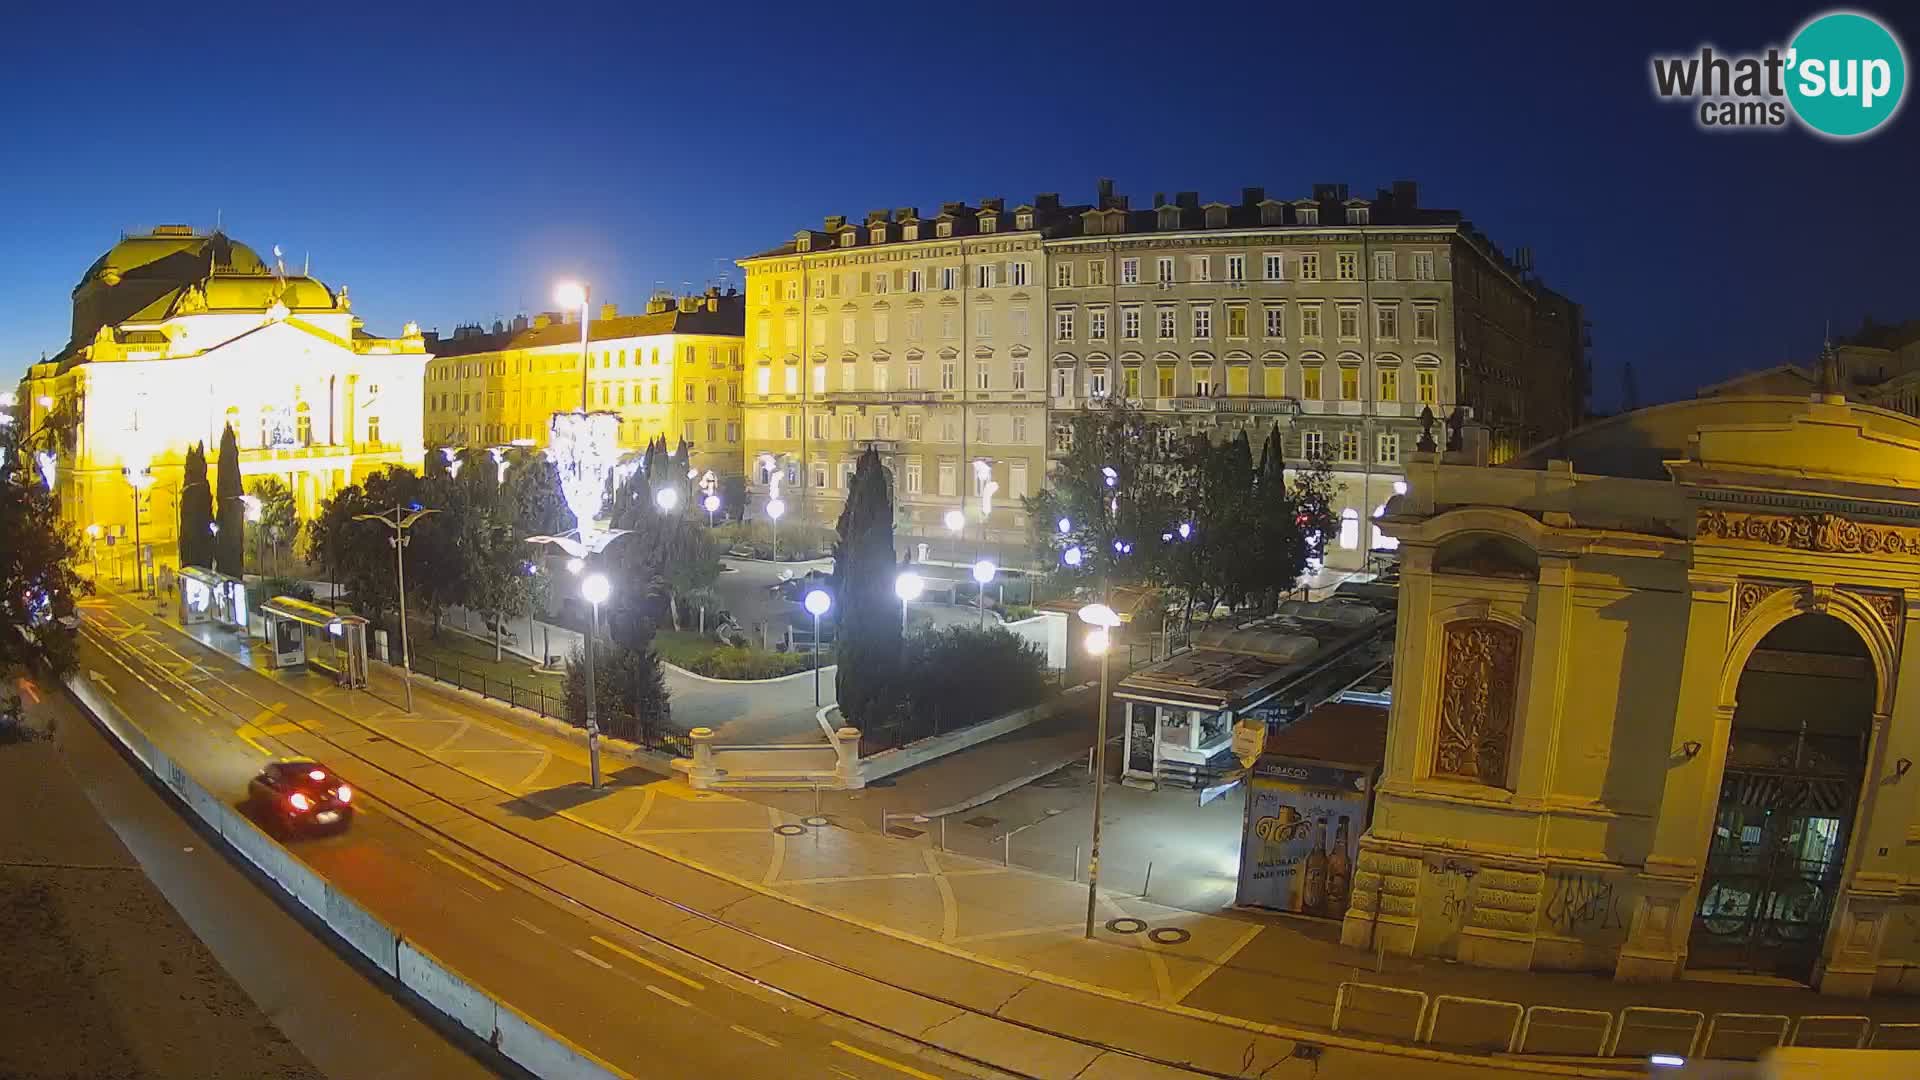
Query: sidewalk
{"x": 908, "y": 913}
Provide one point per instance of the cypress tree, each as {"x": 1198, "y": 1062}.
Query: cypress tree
{"x": 230, "y": 545}
{"x": 866, "y": 612}
{"x": 196, "y": 510}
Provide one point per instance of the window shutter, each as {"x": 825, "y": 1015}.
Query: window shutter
{"x": 899, "y": 280}
{"x": 866, "y": 282}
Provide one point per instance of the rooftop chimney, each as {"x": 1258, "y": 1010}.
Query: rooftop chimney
{"x": 1047, "y": 200}
{"x": 609, "y": 311}
{"x": 1253, "y": 196}
{"x": 834, "y": 221}
{"x": 519, "y": 324}
{"x": 906, "y": 213}
{"x": 1187, "y": 200}
{"x": 1159, "y": 199}
{"x": 1106, "y": 192}
{"x": 1406, "y": 194}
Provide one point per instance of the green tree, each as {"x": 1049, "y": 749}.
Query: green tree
{"x": 38, "y": 583}
{"x": 357, "y": 553}
{"x": 629, "y": 686}
{"x": 532, "y": 490}
{"x": 1281, "y": 542}
{"x": 867, "y": 615}
{"x": 230, "y": 543}
{"x": 1114, "y": 521}
{"x": 196, "y": 511}
{"x": 962, "y": 675}
{"x": 279, "y": 518}
{"x": 1314, "y": 493}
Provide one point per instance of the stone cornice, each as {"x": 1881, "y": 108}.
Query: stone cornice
{"x": 1828, "y": 533}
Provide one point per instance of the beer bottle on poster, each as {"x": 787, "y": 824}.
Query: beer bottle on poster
{"x": 1313, "y": 900}
{"x": 1339, "y": 871}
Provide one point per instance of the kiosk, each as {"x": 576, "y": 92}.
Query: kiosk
{"x": 300, "y": 634}
{"x": 206, "y": 596}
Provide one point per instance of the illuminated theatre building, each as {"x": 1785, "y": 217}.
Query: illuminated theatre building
{"x": 177, "y": 334}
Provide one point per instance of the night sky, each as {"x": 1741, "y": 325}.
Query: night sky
{"x": 449, "y": 165}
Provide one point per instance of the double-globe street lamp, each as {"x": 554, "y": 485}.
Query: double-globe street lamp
{"x": 907, "y": 587}
{"x": 1100, "y": 643}
{"x": 983, "y": 572}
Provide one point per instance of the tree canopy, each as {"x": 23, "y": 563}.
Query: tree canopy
{"x": 38, "y": 582}
{"x": 866, "y": 611}
{"x": 230, "y": 543}
{"x": 196, "y": 510}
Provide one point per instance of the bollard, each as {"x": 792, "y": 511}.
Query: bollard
{"x": 1147, "y": 886}
{"x": 1006, "y": 849}
{"x": 1076, "y": 864}
{"x": 943, "y": 833}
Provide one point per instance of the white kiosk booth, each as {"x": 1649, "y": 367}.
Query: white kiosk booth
{"x": 300, "y": 634}
{"x": 209, "y": 597}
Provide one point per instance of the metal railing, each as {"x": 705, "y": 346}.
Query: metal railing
{"x": 537, "y": 698}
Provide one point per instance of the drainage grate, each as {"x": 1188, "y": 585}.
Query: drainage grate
{"x": 982, "y": 822}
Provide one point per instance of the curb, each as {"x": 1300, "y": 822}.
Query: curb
{"x": 995, "y": 792}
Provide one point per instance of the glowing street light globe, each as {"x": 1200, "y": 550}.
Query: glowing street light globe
{"x": 984, "y": 570}
{"x": 956, "y": 520}
{"x": 1065, "y": 526}
{"x": 666, "y": 499}
{"x": 775, "y": 508}
{"x": 595, "y": 588}
{"x": 1071, "y": 556}
{"x": 818, "y": 602}
{"x": 1097, "y": 642}
{"x": 1099, "y": 615}
{"x": 570, "y": 294}
{"x": 574, "y": 566}
{"x": 711, "y": 503}
{"x": 908, "y": 587}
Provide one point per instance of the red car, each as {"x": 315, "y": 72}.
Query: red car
{"x": 300, "y": 796}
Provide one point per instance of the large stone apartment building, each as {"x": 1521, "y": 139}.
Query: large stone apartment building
{"x": 672, "y": 371}
{"x": 959, "y": 344}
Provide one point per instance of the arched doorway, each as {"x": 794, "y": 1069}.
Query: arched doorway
{"x": 1795, "y": 759}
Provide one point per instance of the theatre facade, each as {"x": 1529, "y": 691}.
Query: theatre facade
{"x": 1652, "y": 712}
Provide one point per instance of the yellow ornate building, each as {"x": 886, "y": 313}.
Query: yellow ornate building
{"x": 673, "y": 371}
{"x": 1652, "y": 708}
{"x": 177, "y": 334}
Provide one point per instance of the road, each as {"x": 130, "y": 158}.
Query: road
{"x": 609, "y": 990}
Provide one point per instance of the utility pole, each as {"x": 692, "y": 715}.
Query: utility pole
{"x": 400, "y": 520}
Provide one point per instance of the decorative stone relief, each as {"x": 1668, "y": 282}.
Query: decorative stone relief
{"x": 1748, "y": 596}
{"x": 1809, "y": 532}
{"x": 1479, "y": 671}
{"x": 1889, "y": 606}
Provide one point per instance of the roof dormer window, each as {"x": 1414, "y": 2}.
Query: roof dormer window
{"x": 1359, "y": 215}
{"x": 849, "y": 238}
{"x": 1308, "y": 215}
{"x": 1272, "y": 213}
{"x": 1216, "y": 216}
{"x": 910, "y": 231}
{"x": 943, "y": 229}
{"x": 1023, "y": 220}
{"x": 1169, "y": 217}
{"x": 879, "y": 234}
{"x": 803, "y": 243}
{"x": 989, "y": 222}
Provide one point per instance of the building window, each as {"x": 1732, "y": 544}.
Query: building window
{"x": 913, "y": 326}
{"x": 1236, "y": 268}
{"x": 1387, "y": 448}
{"x": 1063, "y": 382}
{"x": 1019, "y": 370}
{"x": 1016, "y": 479}
{"x": 913, "y": 374}
{"x": 982, "y": 375}
{"x": 1163, "y": 377}
{"x": 946, "y": 326}
{"x": 1349, "y": 325}
{"x": 880, "y": 378}
{"x": 791, "y": 381}
{"x": 1063, "y": 274}
{"x": 1386, "y": 322}
{"x": 1130, "y": 324}
{"x": 1202, "y": 323}
{"x": 1097, "y": 382}
{"x": 733, "y": 431}
{"x": 1310, "y": 383}
{"x": 1350, "y": 445}
{"x": 1062, "y": 438}
{"x": 1423, "y": 266}
{"x": 1276, "y": 322}
{"x": 1020, "y": 272}
{"x": 1166, "y": 327}
{"x": 1130, "y": 383}
{"x": 788, "y": 418}
{"x": 948, "y": 481}
{"x": 883, "y": 426}
{"x": 1019, "y": 430}
{"x": 1427, "y": 386}
{"x": 819, "y": 471}
{"x": 989, "y": 223}
{"x": 1273, "y": 268}
{"x": 819, "y": 378}
{"x": 763, "y": 380}
{"x": 1309, "y": 266}
{"x": 1163, "y": 269}
{"x": 1202, "y": 381}
{"x": 303, "y": 425}
{"x": 983, "y": 429}
{"x": 1097, "y": 324}
{"x": 983, "y": 276}
{"x": 1063, "y": 324}
{"x": 1019, "y": 326}
{"x": 373, "y": 429}
{"x": 1313, "y": 446}
{"x": 713, "y": 431}
{"x": 913, "y": 476}
{"x": 1096, "y": 271}
{"x": 849, "y": 375}
{"x": 689, "y": 393}
{"x": 1349, "y": 383}
{"x": 915, "y": 424}
{"x": 1349, "y": 529}
{"x": 983, "y": 323}
{"x": 1347, "y": 266}
{"x": 916, "y": 280}
{"x": 1308, "y": 215}
{"x": 1389, "y": 384}
{"x": 849, "y": 428}
{"x": 1202, "y": 268}
{"x": 1236, "y": 320}
{"x": 881, "y": 326}
{"x": 1426, "y": 323}
{"x": 1129, "y": 271}
{"x": 1383, "y": 266}
{"x": 949, "y": 375}
{"x": 949, "y": 278}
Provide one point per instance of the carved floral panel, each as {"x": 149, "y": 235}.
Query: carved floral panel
{"x": 1478, "y": 679}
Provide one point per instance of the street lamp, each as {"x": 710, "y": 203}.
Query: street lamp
{"x": 571, "y": 294}
{"x": 400, "y": 520}
{"x": 817, "y": 602}
{"x": 956, "y": 520}
{"x": 774, "y": 509}
{"x": 983, "y": 572}
{"x": 666, "y": 499}
{"x": 907, "y": 587}
{"x": 1099, "y": 642}
{"x": 141, "y": 478}
{"x": 711, "y": 504}
{"x": 594, "y": 588}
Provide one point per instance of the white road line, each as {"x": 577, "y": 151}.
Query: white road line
{"x": 754, "y": 1035}
{"x": 643, "y": 961}
{"x": 529, "y": 925}
{"x": 675, "y": 998}
{"x": 475, "y": 875}
{"x": 592, "y": 959}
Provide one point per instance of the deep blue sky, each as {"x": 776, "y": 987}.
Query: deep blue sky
{"x": 450, "y": 164}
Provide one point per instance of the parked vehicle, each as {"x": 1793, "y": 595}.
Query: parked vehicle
{"x": 291, "y": 797}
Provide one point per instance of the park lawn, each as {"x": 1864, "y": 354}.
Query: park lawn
{"x": 476, "y": 657}
{"x": 704, "y": 656}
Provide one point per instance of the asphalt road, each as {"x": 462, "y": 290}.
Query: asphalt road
{"x": 601, "y": 985}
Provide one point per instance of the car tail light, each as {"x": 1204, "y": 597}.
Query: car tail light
{"x": 299, "y": 801}
{"x": 345, "y": 794}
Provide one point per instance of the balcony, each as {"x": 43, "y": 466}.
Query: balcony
{"x": 878, "y": 397}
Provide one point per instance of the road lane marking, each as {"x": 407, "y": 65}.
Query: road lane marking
{"x": 102, "y": 680}
{"x": 529, "y": 926}
{"x": 643, "y": 961}
{"x": 592, "y": 959}
{"x": 474, "y": 874}
{"x": 878, "y": 1060}
{"x": 754, "y": 1035}
{"x": 675, "y": 998}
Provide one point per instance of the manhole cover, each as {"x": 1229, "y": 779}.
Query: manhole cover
{"x": 1168, "y": 935}
{"x": 790, "y": 830}
{"x": 815, "y": 822}
{"x": 982, "y": 822}
{"x": 1126, "y": 925}
{"x": 905, "y": 833}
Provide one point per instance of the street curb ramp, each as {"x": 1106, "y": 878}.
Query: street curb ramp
{"x": 521, "y": 1039}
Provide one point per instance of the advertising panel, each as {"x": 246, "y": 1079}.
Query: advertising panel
{"x": 1303, "y": 822}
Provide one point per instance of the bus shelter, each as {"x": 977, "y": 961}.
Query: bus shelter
{"x": 301, "y": 634}
{"x": 209, "y": 597}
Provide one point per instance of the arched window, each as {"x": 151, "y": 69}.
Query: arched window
{"x": 1349, "y": 528}
{"x": 1381, "y": 541}
{"x": 303, "y": 424}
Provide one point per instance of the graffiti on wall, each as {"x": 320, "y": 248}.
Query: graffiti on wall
{"x": 1583, "y": 904}
{"x": 1454, "y": 881}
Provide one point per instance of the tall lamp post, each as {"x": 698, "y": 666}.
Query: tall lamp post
{"x": 401, "y": 519}
{"x": 817, "y": 603}
{"x": 710, "y": 504}
{"x": 983, "y": 572}
{"x": 594, "y": 588}
{"x": 1100, "y": 643}
{"x": 251, "y": 504}
{"x": 570, "y": 294}
{"x": 908, "y": 588}
{"x": 141, "y": 478}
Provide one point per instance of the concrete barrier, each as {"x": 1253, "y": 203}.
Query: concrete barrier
{"x": 528, "y": 1043}
{"x": 437, "y": 985}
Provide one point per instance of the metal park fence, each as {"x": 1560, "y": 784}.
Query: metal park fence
{"x": 537, "y": 697}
